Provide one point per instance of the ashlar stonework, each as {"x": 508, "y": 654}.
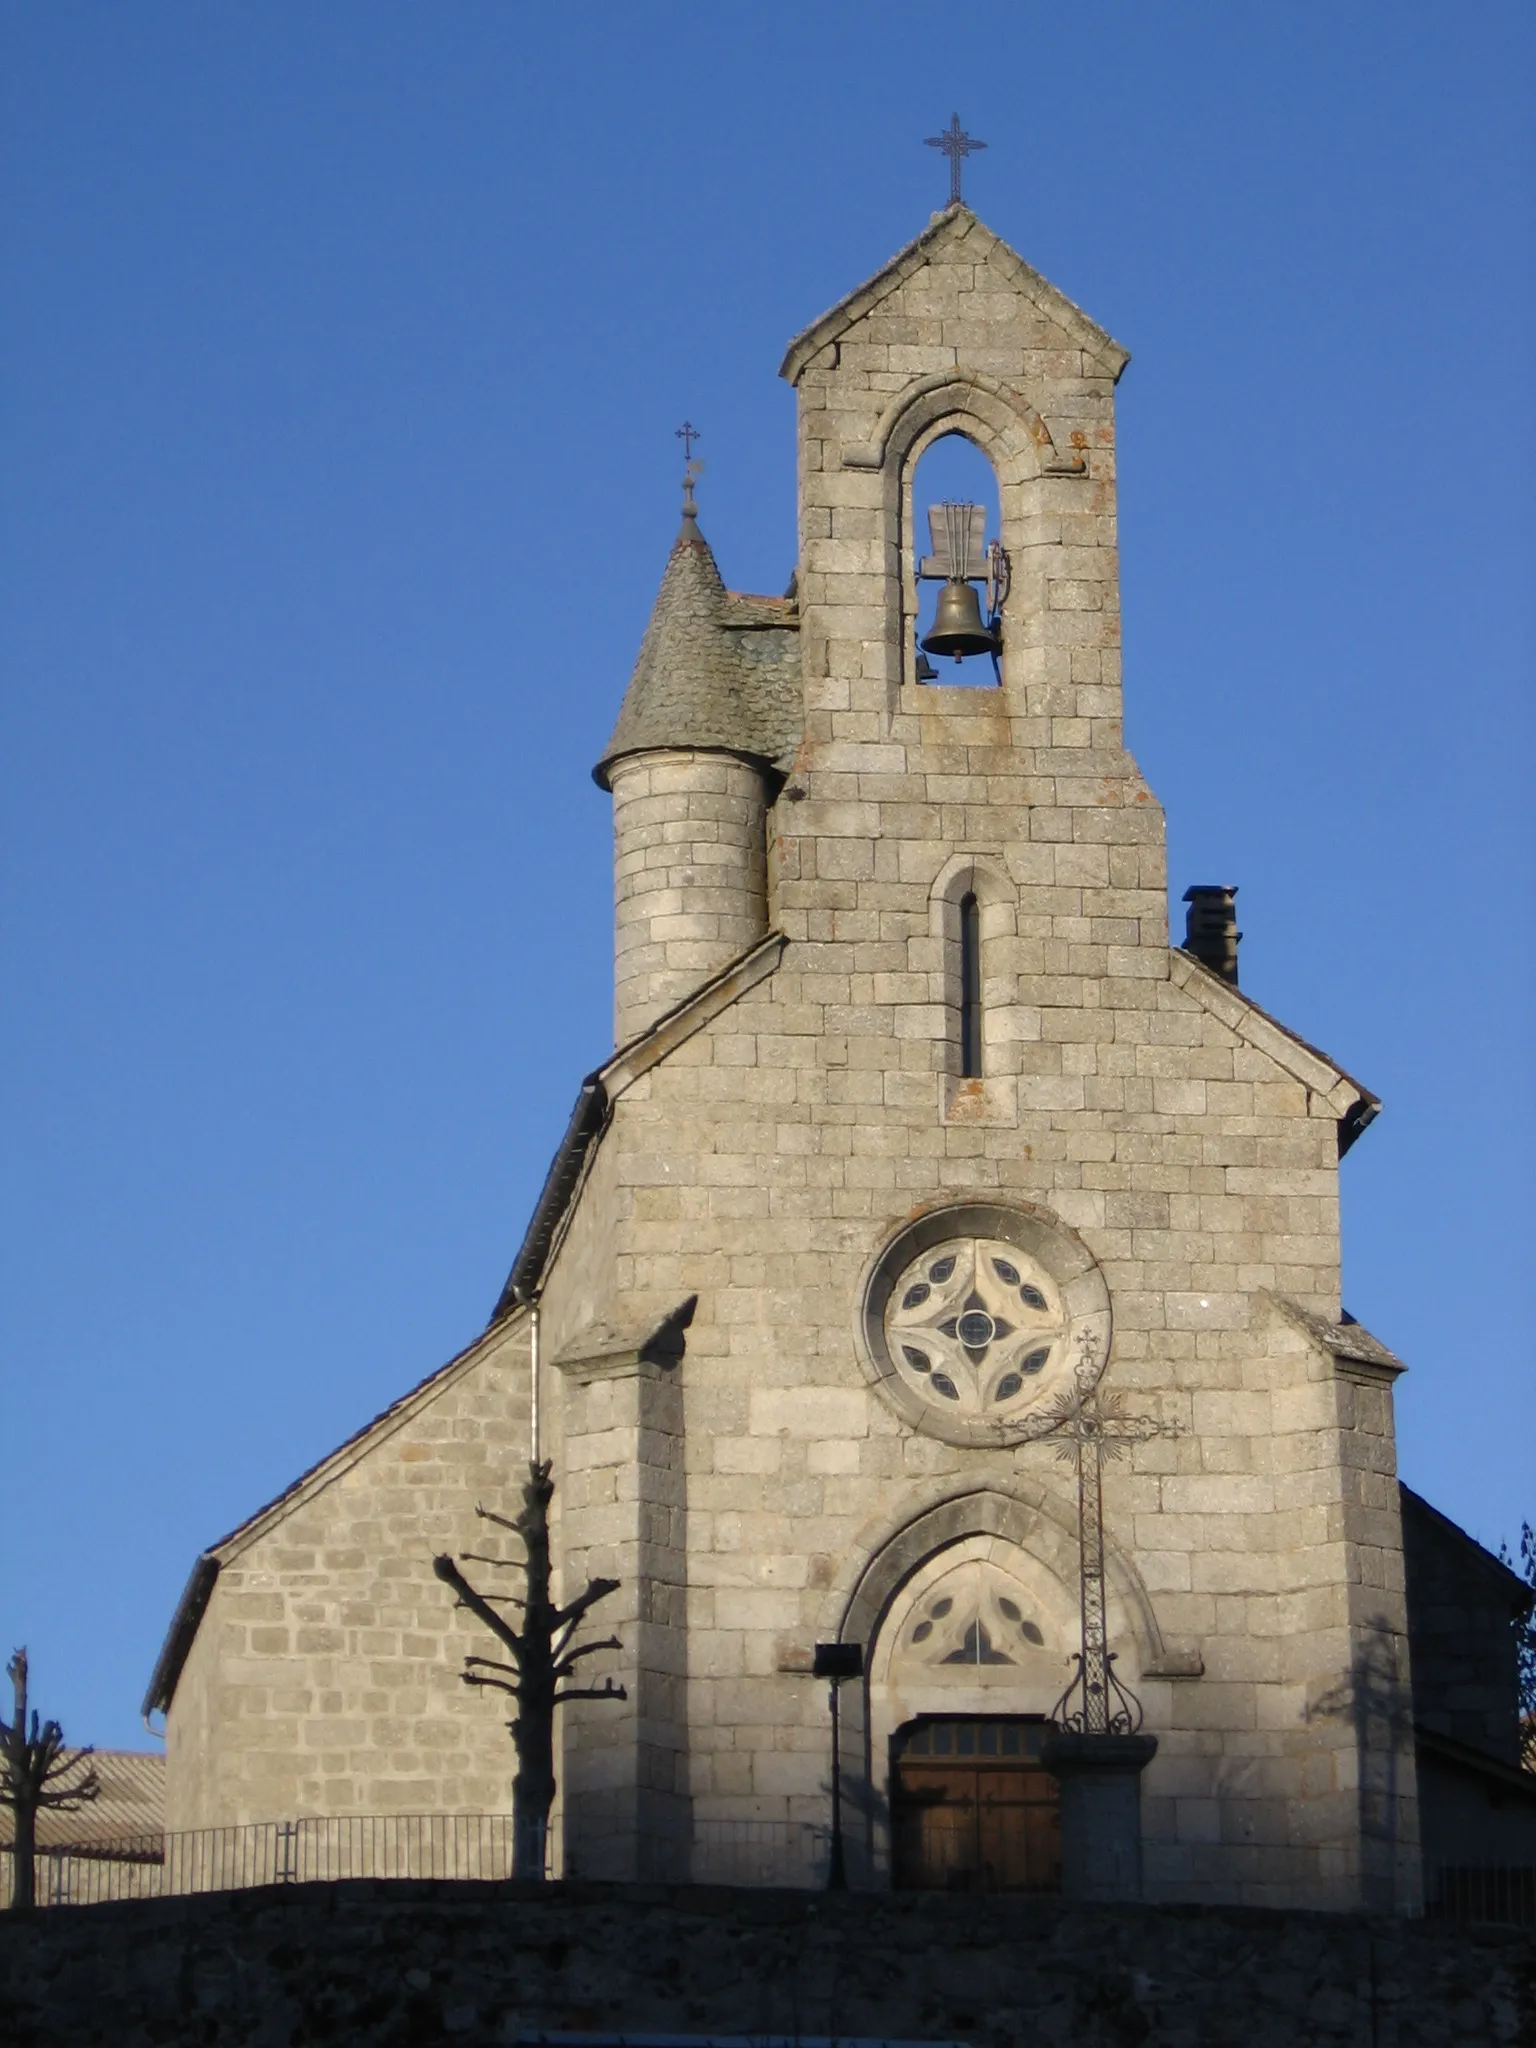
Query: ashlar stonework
{"x": 1144, "y": 1148}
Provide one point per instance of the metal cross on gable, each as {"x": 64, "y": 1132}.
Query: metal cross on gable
{"x": 1092, "y": 1427}
{"x": 957, "y": 146}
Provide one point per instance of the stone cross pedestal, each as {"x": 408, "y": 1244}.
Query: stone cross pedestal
{"x": 1100, "y": 1780}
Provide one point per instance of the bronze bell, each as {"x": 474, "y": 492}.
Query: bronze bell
{"x": 958, "y": 627}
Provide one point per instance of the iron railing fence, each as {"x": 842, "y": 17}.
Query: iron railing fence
{"x": 757, "y": 1853}
{"x": 474, "y": 1846}
{"x": 1500, "y": 1893}
{"x": 788, "y": 1854}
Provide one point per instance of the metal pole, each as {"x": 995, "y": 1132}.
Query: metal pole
{"x": 837, "y": 1874}
{"x": 533, "y": 1356}
{"x": 1090, "y": 1536}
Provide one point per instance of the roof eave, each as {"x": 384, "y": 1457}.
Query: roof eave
{"x": 594, "y": 1103}
{"x": 1520, "y": 1594}
{"x": 736, "y": 753}
{"x": 1354, "y": 1106}
{"x": 177, "y": 1647}
{"x": 193, "y": 1604}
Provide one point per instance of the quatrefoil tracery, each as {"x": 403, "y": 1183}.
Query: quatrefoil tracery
{"x": 972, "y": 1323}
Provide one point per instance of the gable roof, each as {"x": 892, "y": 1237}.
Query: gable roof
{"x": 1439, "y": 1524}
{"x": 588, "y": 1121}
{"x": 198, "y": 1590}
{"x": 945, "y": 231}
{"x": 716, "y": 670}
{"x": 1351, "y": 1101}
{"x": 595, "y": 1100}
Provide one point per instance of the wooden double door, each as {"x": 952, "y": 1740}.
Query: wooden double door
{"x": 973, "y": 1809}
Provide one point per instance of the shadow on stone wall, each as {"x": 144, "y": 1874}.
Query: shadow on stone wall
{"x": 1376, "y": 1699}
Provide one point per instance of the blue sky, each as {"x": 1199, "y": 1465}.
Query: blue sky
{"x": 341, "y": 350}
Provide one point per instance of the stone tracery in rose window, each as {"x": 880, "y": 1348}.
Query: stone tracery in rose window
{"x": 972, "y": 1323}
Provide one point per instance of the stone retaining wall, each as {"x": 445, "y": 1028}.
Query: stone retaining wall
{"x": 373, "y": 1964}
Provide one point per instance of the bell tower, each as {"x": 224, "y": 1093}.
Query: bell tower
{"x": 1016, "y": 792}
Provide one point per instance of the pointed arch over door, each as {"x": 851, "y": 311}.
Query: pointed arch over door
{"x": 989, "y": 1571}
{"x": 1028, "y": 1517}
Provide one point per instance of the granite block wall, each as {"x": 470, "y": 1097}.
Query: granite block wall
{"x": 380, "y": 1965}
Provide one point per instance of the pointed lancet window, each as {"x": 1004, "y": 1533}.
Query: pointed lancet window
{"x": 970, "y": 986}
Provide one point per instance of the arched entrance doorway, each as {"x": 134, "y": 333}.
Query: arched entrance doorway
{"x": 969, "y": 1611}
{"x": 968, "y": 1664}
{"x": 973, "y": 1808}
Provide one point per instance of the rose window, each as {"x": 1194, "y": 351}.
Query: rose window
{"x": 976, "y": 1320}
{"x": 972, "y": 1324}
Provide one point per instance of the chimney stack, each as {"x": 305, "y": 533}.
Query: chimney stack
{"x": 1211, "y": 932}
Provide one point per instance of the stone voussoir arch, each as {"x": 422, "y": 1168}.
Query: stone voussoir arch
{"x": 974, "y": 874}
{"x": 1009, "y": 431}
{"x": 1020, "y": 1510}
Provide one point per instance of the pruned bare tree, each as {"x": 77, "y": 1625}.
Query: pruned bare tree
{"x": 38, "y": 1771}
{"x": 543, "y": 1660}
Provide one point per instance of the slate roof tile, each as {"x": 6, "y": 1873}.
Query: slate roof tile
{"x": 717, "y": 669}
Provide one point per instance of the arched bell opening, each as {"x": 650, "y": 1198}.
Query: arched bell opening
{"x": 955, "y": 571}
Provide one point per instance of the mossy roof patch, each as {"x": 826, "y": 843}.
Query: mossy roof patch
{"x": 718, "y": 670}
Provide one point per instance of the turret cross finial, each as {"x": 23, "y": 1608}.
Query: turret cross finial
{"x": 688, "y": 433}
{"x": 957, "y": 146}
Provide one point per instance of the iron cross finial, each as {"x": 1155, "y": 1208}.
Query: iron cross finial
{"x": 957, "y": 146}
{"x": 688, "y": 433}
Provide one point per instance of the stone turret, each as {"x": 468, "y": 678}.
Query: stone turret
{"x": 708, "y": 722}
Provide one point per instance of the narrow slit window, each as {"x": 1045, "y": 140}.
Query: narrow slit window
{"x": 970, "y": 986}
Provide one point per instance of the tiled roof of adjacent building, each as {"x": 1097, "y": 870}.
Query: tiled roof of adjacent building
{"x": 131, "y": 1803}
{"x": 717, "y": 670}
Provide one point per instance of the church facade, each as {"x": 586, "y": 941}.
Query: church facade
{"x": 919, "y": 1133}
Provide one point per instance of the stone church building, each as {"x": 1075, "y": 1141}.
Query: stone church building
{"x": 919, "y": 1132}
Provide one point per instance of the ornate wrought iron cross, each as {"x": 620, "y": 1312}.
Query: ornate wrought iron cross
{"x": 688, "y": 433}
{"x": 957, "y": 146}
{"x": 1091, "y": 1427}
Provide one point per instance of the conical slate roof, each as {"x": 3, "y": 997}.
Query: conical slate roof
{"x": 716, "y": 670}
